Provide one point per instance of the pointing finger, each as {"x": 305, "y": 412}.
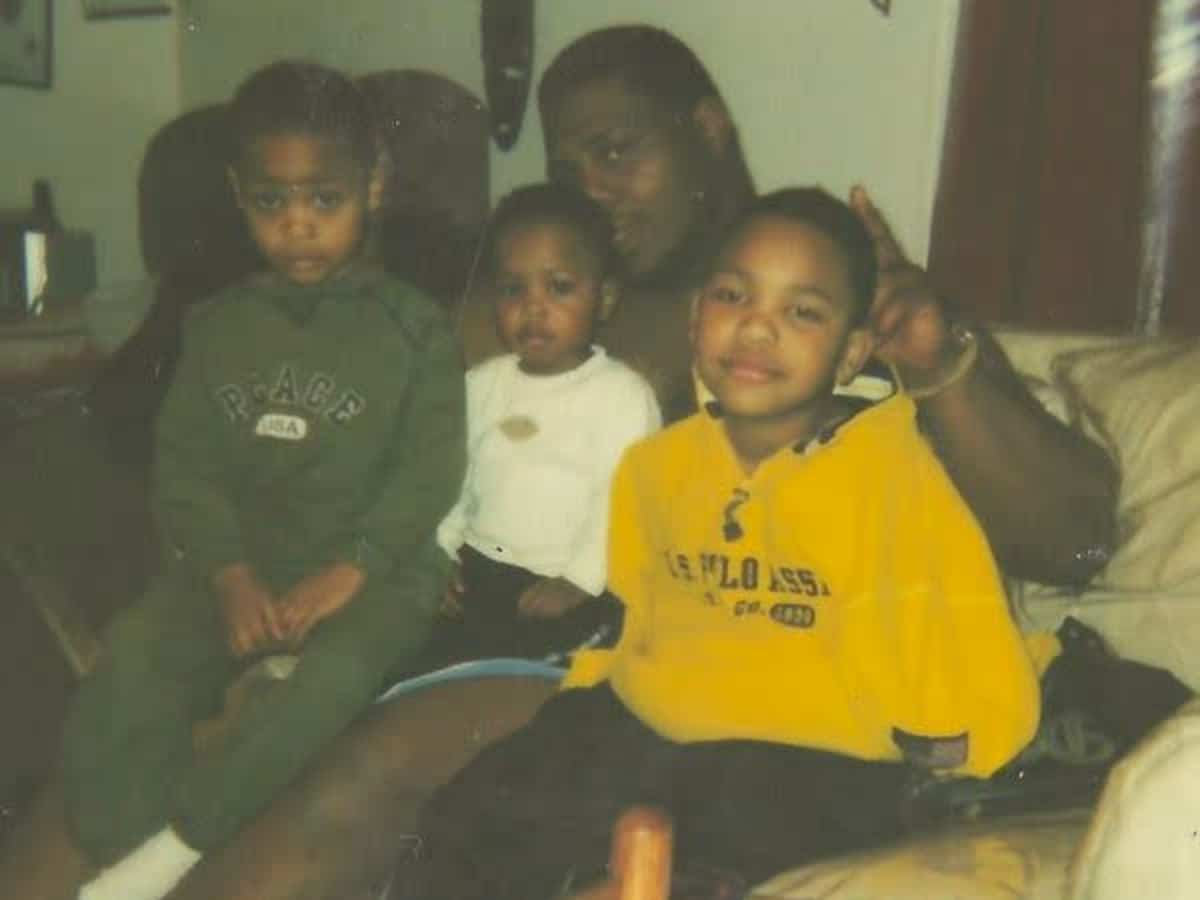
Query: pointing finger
{"x": 888, "y": 252}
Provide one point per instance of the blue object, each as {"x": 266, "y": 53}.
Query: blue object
{"x": 476, "y": 668}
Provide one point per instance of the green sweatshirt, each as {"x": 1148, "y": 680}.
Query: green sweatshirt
{"x": 309, "y": 425}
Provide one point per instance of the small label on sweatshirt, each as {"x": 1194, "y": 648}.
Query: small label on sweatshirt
{"x": 282, "y": 426}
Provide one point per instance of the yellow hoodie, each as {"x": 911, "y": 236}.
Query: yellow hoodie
{"x": 841, "y": 591}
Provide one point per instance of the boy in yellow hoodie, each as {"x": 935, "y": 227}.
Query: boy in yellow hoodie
{"x": 811, "y": 612}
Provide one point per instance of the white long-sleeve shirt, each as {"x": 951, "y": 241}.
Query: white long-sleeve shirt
{"x": 541, "y": 453}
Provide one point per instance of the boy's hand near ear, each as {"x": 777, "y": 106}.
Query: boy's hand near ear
{"x": 317, "y": 597}
{"x": 910, "y": 324}
{"x": 248, "y": 608}
{"x": 550, "y": 598}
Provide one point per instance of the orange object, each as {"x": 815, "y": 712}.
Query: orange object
{"x": 641, "y": 854}
{"x": 640, "y": 862}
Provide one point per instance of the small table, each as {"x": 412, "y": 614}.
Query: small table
{"x": 46, "y": 364}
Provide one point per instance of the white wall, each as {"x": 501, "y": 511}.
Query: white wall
{"x": 823, "y": 91}
{"x": 223, "y": 41}
{"x": 115, "y": 83}
{"x": 826, "y": 91}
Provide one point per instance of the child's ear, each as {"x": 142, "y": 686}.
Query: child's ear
{"x": 860, "y": 344}
{"x": 610, "y": 293}
{"x": 231, "y": 174}
{"x": 714, "y": 123}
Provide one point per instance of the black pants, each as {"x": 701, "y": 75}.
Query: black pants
{"x": 534, "y": 813}
{"x": 491, "y": 627}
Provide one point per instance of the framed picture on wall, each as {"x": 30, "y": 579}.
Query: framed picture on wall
{"x": 25, "y": 45}
{"x": 117, "y": 9}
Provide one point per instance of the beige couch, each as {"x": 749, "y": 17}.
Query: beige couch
{"x": 1140, "y": 397}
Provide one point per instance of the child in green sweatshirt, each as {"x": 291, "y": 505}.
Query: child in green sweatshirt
{"x": 312, "y": 440}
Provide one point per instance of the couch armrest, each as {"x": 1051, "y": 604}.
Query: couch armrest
{"x": 1142, "y": 840}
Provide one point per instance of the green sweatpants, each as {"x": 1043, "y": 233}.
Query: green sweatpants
{"x": 129, "y": 766}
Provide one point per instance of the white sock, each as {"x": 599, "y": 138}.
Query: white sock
{"x": 147, "y": 873}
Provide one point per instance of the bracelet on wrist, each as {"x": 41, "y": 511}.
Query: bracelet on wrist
{"x": 968, "y": 354}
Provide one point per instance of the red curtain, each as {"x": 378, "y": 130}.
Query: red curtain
{"x": 1039, "y": 212}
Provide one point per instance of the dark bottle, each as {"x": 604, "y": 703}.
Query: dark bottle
{"x": 42, "y": 218}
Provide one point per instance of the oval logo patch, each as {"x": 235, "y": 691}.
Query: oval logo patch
{"x": 281, "y": 426}
{"x": 519, "y": 428}
{"x": 794, "y": 615}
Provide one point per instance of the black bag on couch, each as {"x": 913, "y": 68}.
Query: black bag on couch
{"x": 1095, "y": 708}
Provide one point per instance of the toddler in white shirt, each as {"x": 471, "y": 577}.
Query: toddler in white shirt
{"x": 547, "y": 423}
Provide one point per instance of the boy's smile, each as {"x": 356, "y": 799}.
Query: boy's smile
{"x": 305, "y": 200}
{"x": 771, "y": 326}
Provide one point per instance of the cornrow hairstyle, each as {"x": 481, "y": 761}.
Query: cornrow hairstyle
{"x": 834, "y": 218}
{"x": 306, "y": 98}
{"x": 550, "y": 203}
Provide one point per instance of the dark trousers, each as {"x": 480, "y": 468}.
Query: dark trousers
{"x": 490, "y": 625}
{"x": 534, "y": 813}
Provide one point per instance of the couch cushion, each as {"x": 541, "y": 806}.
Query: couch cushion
{"x": 1141, "y": 401}
{"x": 1137, "y": 397}
{"x": 1035, "y": 353}
{"x": 1026, "y": 856}
{"x": 1142, "y": 841}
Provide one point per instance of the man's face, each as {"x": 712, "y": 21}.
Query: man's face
{"x": 643, "y": 165}
{"x": 305, "y": 200}
{"x": 771, "y": 324}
